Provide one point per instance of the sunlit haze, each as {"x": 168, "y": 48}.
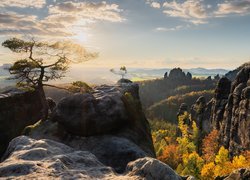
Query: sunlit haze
{"x": 141, "y": 33}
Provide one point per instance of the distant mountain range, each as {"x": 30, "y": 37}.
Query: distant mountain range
{"x": 4, "y": 70}
{"x": 158, "y": 73}
{"x": 104, "y": 76}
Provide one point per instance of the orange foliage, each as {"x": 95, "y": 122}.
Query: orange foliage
{"x": 210, "y": 146}
{"x": 171, "y": 156}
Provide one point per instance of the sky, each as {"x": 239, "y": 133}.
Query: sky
{"x": 136, "y": 33}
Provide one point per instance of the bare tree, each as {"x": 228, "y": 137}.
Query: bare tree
{"x": 42, "y": 62}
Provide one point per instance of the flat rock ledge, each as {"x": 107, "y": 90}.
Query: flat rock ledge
{"x": 27, "y": 158}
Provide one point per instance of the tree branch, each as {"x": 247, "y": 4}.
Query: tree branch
{"x": 49, "y": 85}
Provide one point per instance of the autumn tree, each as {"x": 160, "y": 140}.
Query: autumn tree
{"x": 42, "y": 62}
{"x": 192, "y": 165}
{"x": 171, "y": 156}
{"x": 210, "y": 146}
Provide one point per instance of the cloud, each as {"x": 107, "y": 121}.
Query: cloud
{"x": 233, "y": 7}
{"x": 94, "y": 11}
{"x": 61, "y": 20}
{"x": 200, "y": 12}
{"x": 23, "y": 3}
{"x": 153, "y": 4}
{"x": 190, "y": 10}
{"x": 156, "y": 5}
{"x": 164, "y": 29}
{"x": 15, "y": 24}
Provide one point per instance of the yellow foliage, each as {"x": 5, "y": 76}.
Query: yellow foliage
{"x": 207, "y": 171}
{"x": 240, "y": 162}
{"x": 193, "y": 164}
{"x": 222, "y": 157}
{"x": 181, "y": 124}
{"x": 223, "y": 169}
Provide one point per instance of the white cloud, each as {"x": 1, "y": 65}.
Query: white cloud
{"x": 199, "y": 11}
{"x": 191, "y": 10}
{"x": 23, "y": 3}
{"x": 94, "y": 11}
{"x": 63, "y": 19}
{"x": 16, "y": 24}
{"x": 164, "y": 29}
{"x": 156, "y": 5}
{"x": 233, "y": 7}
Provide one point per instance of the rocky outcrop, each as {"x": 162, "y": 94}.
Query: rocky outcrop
{"x": 231, "y": 114}
{"x": 239, "y": 174}
{"x": 18, "y": 109}
{"x": 27, "y": 158}
{"x": 228, "y": 112}
{"x": 232, "y": 74}
{"x": 183, "y": 108}
{"x": 219, "y": 102}
{"x": 200, "y": 113}
{"x": 239, "y": 109}
{"x": 109, "y": 122}
{"x": 178, "y": 74}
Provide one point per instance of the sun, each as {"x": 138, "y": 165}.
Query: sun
{"x": 81, "y": 37}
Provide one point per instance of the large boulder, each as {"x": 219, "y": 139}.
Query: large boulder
{"x": 28, "y": 158}
{"x": 109, "y": 123}
{"x": 88, "y": 115}
{"x": 18, "y": 109}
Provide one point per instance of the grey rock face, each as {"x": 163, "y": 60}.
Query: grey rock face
{"x": 183, "y": 108}
{"x": 148, "y": 168}
{"x": 219, "y": 102}
{"x": 231, "y": 113}
{"x": 87, "y": 115}
{"x": 17, "y": 110}
{"x": 27, "y": 158}
{"x": 109, "y": 123}
{"x": 200, "y": 112}
{"x": 228, "y": 112}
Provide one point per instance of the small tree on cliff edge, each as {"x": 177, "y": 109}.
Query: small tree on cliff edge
{"x": 43, "y": 62}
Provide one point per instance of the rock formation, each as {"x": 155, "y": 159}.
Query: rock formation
{"x": 230, "y": 112}
{"x": 27, "y": 158}
{"x": 89, "y": 136}
{"x": 232, "y": 74}
{"x": 183, "y": 108}
{"x": 178, "y": 74}
{"x": 219, "y": 102}
{"x": 17, "y": 110}
{"x": 109, "y": 122}
{"x": 238, "y": 107}
{"x": 200, "y": 113}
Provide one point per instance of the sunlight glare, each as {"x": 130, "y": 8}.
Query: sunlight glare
{"x": 81, "y": 37}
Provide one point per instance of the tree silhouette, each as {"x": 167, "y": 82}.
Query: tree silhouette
{"x": 42, "y": 62}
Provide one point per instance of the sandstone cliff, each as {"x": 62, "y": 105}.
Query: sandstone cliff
{"x": 99, "y": 135}
{"x": 228, "y": 112}
{"x": 17, "y": 110}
